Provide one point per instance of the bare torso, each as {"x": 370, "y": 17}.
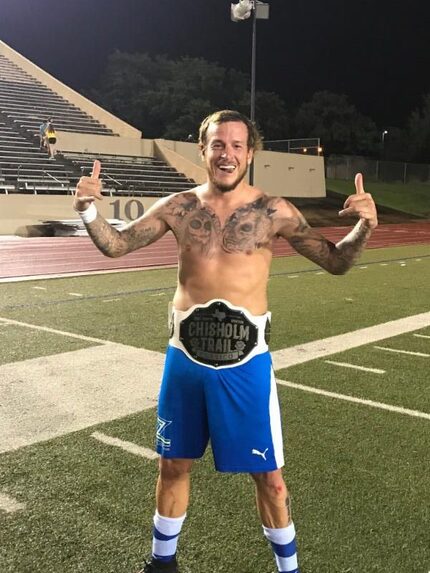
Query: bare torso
{"x": 223, "y": 253}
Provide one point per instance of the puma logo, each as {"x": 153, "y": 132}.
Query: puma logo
{"x": 262, "y": 454}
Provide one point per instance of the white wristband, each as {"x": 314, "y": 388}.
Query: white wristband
{"x": 89, "y": 215}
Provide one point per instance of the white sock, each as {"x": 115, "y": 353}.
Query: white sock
{"x": 165, "y": 536}
{"x": 283, "y": 543}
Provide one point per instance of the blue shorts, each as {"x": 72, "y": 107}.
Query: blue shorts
{"x": 236, "y": 408}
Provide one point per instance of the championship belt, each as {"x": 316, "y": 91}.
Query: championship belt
{"x": 218, "y": 335}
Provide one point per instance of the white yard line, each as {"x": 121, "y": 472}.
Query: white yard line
{"x": 371, "y": 403}
{"x": 54, "y": 331}
{"x": 50, "y": 396}
{"x": 398, "y": 351}
{"x": 130, "y": 447}
{"x": 327, "y": 346}
{"x": 9, "y": 504}
{"x": 75, "y": 294}
{"x": 422, "y": 335}
{"x": 356, "y": 367}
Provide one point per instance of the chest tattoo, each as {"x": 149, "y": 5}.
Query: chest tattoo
{"x": 197, "y": 227}
{"x": 248, "y": 228}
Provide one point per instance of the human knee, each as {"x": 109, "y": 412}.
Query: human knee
{"x": 174, "y": 469}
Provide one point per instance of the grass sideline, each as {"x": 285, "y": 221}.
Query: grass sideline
{"x": 358, "y": 475}
{"x": 412, "y": 198}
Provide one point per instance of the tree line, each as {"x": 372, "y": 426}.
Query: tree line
{"x": 168, "y": 98}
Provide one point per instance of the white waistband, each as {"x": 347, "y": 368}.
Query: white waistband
{"x": 259, "y": 321}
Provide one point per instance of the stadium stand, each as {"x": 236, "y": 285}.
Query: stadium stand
{"x": 27, "y": 102}
{"x": 24, "y": 103}
{"x": 24, "y": 168}
{"x": 132, "y": 175}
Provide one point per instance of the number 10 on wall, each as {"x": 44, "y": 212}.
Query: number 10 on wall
{"x": 133, "y": 209}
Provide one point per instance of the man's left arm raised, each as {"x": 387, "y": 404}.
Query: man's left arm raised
{"x": 340, "y": 257}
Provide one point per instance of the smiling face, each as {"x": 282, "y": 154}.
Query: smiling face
{"x": 226, "y": 154}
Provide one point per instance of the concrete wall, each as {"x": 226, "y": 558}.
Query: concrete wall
{"x": 289, "y": 174}
{"x": 23, "y": 214}
{"x": 88, "y": 143}
{"x": 115, "y": 124}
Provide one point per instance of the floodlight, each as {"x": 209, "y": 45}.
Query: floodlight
{"x": 242, "y": 10}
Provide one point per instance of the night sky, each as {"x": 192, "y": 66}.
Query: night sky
{"x": 377, "y": 52}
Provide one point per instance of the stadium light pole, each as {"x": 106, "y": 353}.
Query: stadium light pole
{"x": 384, "y": 133}
{"x": 259, "y": 11}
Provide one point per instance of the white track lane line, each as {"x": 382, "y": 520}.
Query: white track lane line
{"x": 371, "y": 403}
{"x": 354, "y": 366}
{"x": 129, "y": 447}
{"x": 409, "y": 352}
{"x": 422, "y": 335}
{"x": 9, "y": 504}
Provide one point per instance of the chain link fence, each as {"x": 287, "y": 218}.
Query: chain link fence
{"x": 346, "y": 166}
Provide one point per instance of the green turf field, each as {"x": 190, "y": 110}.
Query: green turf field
{"x": 358, "y": 473}
{"x": 412, "y": 198}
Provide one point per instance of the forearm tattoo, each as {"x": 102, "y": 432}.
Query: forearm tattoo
{"x": 336, "y": 259}
{"x": 114, "y": 243}
{"x": 351, "y": 246}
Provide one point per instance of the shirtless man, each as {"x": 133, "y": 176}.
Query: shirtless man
{"x": 218, "y": 380}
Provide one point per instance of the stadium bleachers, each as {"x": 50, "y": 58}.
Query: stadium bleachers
{"x": 24, "y": 103}
{"x": 24, "y": 168}
{"x": 132, "y": 175}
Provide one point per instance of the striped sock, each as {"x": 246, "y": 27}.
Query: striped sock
{"x": 284, "y": 546}
{"x": 165, "y": 536}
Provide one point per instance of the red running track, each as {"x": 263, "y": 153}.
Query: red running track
{"x": 36, "y": 257}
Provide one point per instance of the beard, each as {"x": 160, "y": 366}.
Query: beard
{"x": 226, "y": 187}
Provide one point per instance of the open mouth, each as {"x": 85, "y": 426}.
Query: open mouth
{"x": 227, "y": 168}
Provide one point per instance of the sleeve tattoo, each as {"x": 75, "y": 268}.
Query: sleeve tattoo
{"x": 335, "y": 258}
{"x": 114, "y": 243}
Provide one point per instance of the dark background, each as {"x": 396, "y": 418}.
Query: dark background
{"x": 374, "y": 51}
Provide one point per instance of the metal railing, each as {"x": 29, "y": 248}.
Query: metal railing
{"x": 305, "y": 146}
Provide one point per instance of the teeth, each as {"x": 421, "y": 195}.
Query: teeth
{"x": 229, "y": 168}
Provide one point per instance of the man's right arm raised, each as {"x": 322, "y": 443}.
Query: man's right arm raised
{"x": 110, "y": 241}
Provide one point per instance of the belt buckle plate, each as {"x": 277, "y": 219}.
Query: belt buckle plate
{"x": 218, "y": 335}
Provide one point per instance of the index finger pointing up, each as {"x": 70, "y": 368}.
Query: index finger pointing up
{"x": 359, "y": 188}
{"x": 97, "y": 167}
